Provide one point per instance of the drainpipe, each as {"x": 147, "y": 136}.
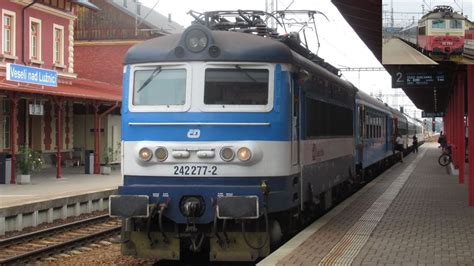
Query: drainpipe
{"x": 23, "y": 30}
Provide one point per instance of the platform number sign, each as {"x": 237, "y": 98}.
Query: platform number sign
{"x": 415, "y": 79}
{"x": 431, "y": 114}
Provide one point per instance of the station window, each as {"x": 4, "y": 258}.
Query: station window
{"x": 438, "y": 24}
{"x": 320, "y": 120}
{"x": 8, "y": 32}
{"x": 58, "y": 45}
{"x": 35, "y": 39}
{"x": 160, "y": 86}
{"x": 236, "y": 86}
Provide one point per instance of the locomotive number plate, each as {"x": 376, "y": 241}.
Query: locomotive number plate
{"x": 195, "y": 170}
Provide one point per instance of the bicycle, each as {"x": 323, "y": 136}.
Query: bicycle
{"x": 446, "y": 157}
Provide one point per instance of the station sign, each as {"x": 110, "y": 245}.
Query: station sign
{"x": 32, "y": 75}
{"x": 428, "y": 114}
{"x": 416, "y": 79}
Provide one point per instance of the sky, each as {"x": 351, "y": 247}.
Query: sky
{"x": 405, "y": 11}
{"x": 340, "y": 45}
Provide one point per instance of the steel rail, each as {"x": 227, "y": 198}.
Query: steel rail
{"x": 54, "y": 248}
{"x": 23, "y": 237}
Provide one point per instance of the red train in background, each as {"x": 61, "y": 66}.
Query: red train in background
{"x": 439, "y": 33}
{"x": 469, "y": 43}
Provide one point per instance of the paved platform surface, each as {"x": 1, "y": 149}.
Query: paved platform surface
{"x": 413, "y": 214}
{"x": 397, "y": 52}
{"x": 45, "y": 186}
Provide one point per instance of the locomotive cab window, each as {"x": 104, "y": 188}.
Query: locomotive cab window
{"x": 456, "y": 24}
{"x": 159, "y": 86}
{"x": 237, "y": 86}
{"x": 438, "y": 24}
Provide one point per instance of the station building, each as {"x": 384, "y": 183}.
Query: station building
{"x": 101, "y": 40}
{"x": 60, "y": 77}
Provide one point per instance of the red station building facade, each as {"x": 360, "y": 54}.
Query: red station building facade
{"x": 101, "y": 40}
{"x": 69, "y": 116}
{"x": 73, "y": 38}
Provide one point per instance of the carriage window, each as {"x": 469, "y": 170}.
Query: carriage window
{"x": 455, "y": 24}
{"x": 439, "y": 24}
{"x": 236, "y": 86}
{"x": 160, "y": 87}
{"x": 321, "y": 123}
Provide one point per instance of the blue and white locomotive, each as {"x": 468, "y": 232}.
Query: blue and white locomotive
{"x": 230, "y": 140}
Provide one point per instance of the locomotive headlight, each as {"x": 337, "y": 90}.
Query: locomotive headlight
{"x": 244, "y": 154}
{"x": 161, "y": 153}
{"x": 227, "y": 154}
{"x": 145, "y": 154}
{"x": 196, "y": 40}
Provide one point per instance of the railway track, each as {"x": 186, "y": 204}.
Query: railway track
{"x": 39, "y": 244}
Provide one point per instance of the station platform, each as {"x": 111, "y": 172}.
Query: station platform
{"x": 415, "y": 213}
{"x": 47, "y": 199}
{"x": 46, "y": 186}
{"x": 397, "y": 52}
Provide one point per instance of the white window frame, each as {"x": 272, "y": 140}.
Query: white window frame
{"x": 160, "y": 108}
{"x": 239, "y": 108}
{"x": 60, "y": 62}
{"x": 40, "y": 37}
{"x": 12, "y": 14}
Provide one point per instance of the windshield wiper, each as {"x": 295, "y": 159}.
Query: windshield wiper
{"x": 246, "y": 73}
{"x": 150, "y": 78}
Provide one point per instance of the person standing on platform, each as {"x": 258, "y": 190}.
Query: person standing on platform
{"x": 399, "y": 146}
{"x": 442, "y": 140}
{"x": 415, "y": 144}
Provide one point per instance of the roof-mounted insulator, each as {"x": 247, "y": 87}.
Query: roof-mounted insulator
{"x": 261, "y": 29}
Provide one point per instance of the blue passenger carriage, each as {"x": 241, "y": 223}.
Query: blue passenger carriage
{"x": 374, "y": 131}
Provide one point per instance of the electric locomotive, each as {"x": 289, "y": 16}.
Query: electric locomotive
{"x": 439, "y": 33}
{"x": 230, "y": 139}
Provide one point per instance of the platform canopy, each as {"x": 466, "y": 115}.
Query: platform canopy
{"x": 365, "y": 17}
{"x": 77, "y": 88}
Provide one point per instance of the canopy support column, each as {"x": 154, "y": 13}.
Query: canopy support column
{"x": 59, "y": 135}
{"x": 460, "y": 126}
{"x": 13, "y": 134}
{"x": 470, "y": 107}
{"x": 96, "y": 139}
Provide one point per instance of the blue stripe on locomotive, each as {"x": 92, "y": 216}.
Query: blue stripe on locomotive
{"x": 279, "y": 118}
{"x": 176, "y": 187}
{"x": 282, "y": 190}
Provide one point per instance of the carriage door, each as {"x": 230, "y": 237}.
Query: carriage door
{"x": 295, "y": 131}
